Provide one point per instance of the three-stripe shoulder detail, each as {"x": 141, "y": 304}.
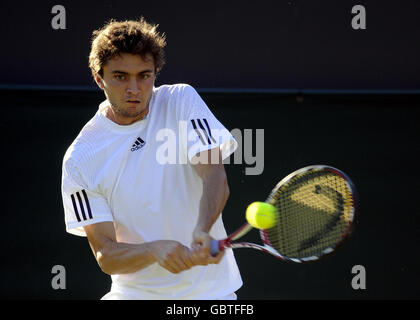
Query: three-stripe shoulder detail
{"x": 205, "y": 133}
{"x": 82, "y": 204}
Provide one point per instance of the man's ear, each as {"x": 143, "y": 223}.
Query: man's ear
{"x": 99, "y": 81}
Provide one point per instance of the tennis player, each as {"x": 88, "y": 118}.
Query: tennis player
{"x": 149, "y": 223}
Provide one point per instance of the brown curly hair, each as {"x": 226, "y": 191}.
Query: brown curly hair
{"x": 130, "y": 36}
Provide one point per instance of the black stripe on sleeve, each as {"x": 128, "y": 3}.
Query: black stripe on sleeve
{"x": 75, "y": 207}
{"x": 204, "y": 130}
{"x": 208, "y": 128}
{"x": 81, "y": 205}
{"x": 197, "y": 131}
{"x": 87, "y": 204}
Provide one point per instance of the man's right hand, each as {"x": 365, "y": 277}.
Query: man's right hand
{"x": 121, "y": 258}
{"x": 172, "y": 255}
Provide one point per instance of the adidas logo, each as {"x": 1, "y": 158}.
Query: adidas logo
{"x": 139, "y": 143}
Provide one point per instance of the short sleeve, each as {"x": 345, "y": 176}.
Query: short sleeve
{"x": 204, "y": 130}
{"x": 81, "y": 205}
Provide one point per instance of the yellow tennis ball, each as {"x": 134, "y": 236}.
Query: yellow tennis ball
{"x": 261, "y": 215}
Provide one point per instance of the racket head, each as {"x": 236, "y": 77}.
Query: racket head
{"x": 316, "y": 210}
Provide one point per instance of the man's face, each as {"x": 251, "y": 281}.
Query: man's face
{"x": 128, "y": 85}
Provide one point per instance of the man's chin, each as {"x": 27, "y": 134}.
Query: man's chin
{"x": 129, "y": 110}
{"x": 133, "y": 113}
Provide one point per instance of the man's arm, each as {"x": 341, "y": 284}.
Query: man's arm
{"x": 211, "y": 170}
{"x": 119, "y": 258}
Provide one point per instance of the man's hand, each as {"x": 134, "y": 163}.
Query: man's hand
{"x": 175, "y": 257}
{"x": 201, "y": 249}
{"x": 172, "y": 255}
{"x": 121, "y": 258}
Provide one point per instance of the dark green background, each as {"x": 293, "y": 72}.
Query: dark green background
{"x": 276, "y": 44}
{"x": 373, "y": 139}
{"x": 306, "y": 51}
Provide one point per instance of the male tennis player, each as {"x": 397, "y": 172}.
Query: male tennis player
{"x": 149, "y": 223}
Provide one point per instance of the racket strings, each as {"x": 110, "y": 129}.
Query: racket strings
{"x": 315, "y": 209}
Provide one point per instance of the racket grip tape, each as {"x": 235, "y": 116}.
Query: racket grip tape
{"x": 214, "y": 247}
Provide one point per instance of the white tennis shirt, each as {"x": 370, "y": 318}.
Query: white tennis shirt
{"x": 137, "y": 177}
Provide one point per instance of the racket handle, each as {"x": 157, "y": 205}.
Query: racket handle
{"x": 214, "y": 248}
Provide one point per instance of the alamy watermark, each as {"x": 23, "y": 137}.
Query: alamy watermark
{"x": 59, "y": 20}
{"x": 59, "y": 280}
{"x": 359, "y": 280}
{"x": 184, "y": 147}
{"x": 358, "y": 22}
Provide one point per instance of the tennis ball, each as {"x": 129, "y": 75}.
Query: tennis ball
{"x": 261, "y": 215}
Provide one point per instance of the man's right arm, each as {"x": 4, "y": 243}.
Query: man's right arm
{"x": 119, "y": 258}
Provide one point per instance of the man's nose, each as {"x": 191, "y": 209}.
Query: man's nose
{"x": 133, "y": 87}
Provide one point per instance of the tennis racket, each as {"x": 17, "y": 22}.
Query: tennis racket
{"x": 316, "y": 209}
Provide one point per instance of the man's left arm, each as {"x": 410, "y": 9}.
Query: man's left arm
{"x": 209, "y": 166}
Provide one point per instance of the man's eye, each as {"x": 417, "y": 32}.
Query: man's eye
{"x": 145, "y": 76}
{"x": 119, "y": 77}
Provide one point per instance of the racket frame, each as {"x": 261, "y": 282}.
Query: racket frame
{"x": 219, "y": 245}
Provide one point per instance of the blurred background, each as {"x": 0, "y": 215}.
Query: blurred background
{"x": 322, "y": 91}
